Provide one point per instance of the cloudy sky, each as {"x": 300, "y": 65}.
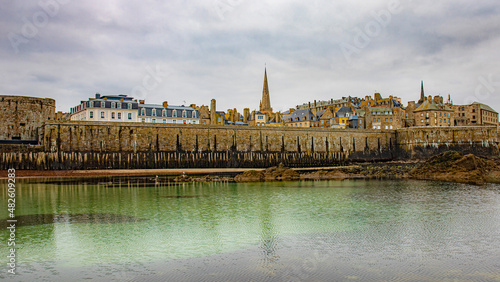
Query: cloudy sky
{"x": 192, "y": 51}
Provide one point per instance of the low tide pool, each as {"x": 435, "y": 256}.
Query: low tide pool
{"x": 136, "y": 229}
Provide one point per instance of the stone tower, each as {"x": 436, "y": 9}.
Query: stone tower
{"x": 265, "y": 103}
{"x": 422, "y": 96}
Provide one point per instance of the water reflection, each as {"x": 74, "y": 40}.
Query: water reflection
{"x": 38, "y": 219}
{"x": 283, "y": 231}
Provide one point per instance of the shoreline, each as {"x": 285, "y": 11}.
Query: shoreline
{"x": 27, "y": 174}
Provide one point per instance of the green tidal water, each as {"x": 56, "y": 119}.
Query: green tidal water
{"x": 130, "y": 229}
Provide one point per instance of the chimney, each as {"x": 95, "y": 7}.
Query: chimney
{"x": 212, "y": 111}
{"x": 97, "y": 96}
{"x": 165, "y": 104}
{"x": 141, "y": 101}
{"x": 315, "y": 104}
{"x": 430, "y": 99}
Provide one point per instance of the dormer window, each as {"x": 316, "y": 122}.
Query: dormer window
{"x": 184, "y": 113}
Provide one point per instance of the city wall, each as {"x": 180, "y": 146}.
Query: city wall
{"x": 424, "y": 142}
{"x": 91, "y": 145}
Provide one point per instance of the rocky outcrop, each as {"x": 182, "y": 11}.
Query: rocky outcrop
{"x": 275, "y": 173}
{"x": 250, "y": 176}
{"x": 454, "y": 166}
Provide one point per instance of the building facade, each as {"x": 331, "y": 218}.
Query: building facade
{"x": 432, "y": 112}
{"x": 121, "y": 108}
{"x": 474, "y": 114}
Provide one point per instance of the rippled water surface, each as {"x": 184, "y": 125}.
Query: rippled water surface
{"x": 135, "y": 230}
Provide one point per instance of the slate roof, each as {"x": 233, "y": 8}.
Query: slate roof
{"x": 432, "y": 106}
{"x": 485, "y": 107}
{"x": 302, "y": 115}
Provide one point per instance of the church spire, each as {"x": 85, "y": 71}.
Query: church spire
{"x": 422, "y": 95}
{"x": 266, "y": 101}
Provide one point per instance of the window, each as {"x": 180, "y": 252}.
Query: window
{"x": 102, "y": 114}
{"x": 119, "y": 115}
{"x": 164, "y": 113}
{"x": 153, "y": 120}
{"x": 103, "y": 104}
{"x": 153, "y": 112}
{"x": 473, "y": 110}
{"x": 91, "y": 114}
{"x": 113, "y": 105}
{"x": 440, "y": 114}
{"x": 129, "y": 115}
{"x": 174, "y": 114}
{"x": 143, "y": 112}
{"x": 91, "y": 104}
{"x": 174, "y": 121}
{"x": 378, "y": 120}
{"x": 391, "y": 120}
{"x": 386, "y": 120}
{"x": 421, "y": 114}
{"x": 130, "y": 106}
{"x": 113, "y": 115}
{"x": 194, "y": 114}
{"x": 143, "y": 120}
{"x": 374, "y": 120}
{"x": 260, "y": 117}
{"x": 184, "y": 121}
{"x": 164, "y": 121}
{"x": 422, "y": 121}
{"x": 118, "y": 105}
{"x": 184, "y": 113}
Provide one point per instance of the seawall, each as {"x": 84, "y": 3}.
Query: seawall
{"x": 90, "y": 145}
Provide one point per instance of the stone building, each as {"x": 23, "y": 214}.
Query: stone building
{"x": 382, "y": 113}
{"x": 474, "y": 114}
{"x": 325, "y": 117}
{"x": 22, "y": 116}
{"x": 433, "y": 112}
{"x": 385, "y": 117}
